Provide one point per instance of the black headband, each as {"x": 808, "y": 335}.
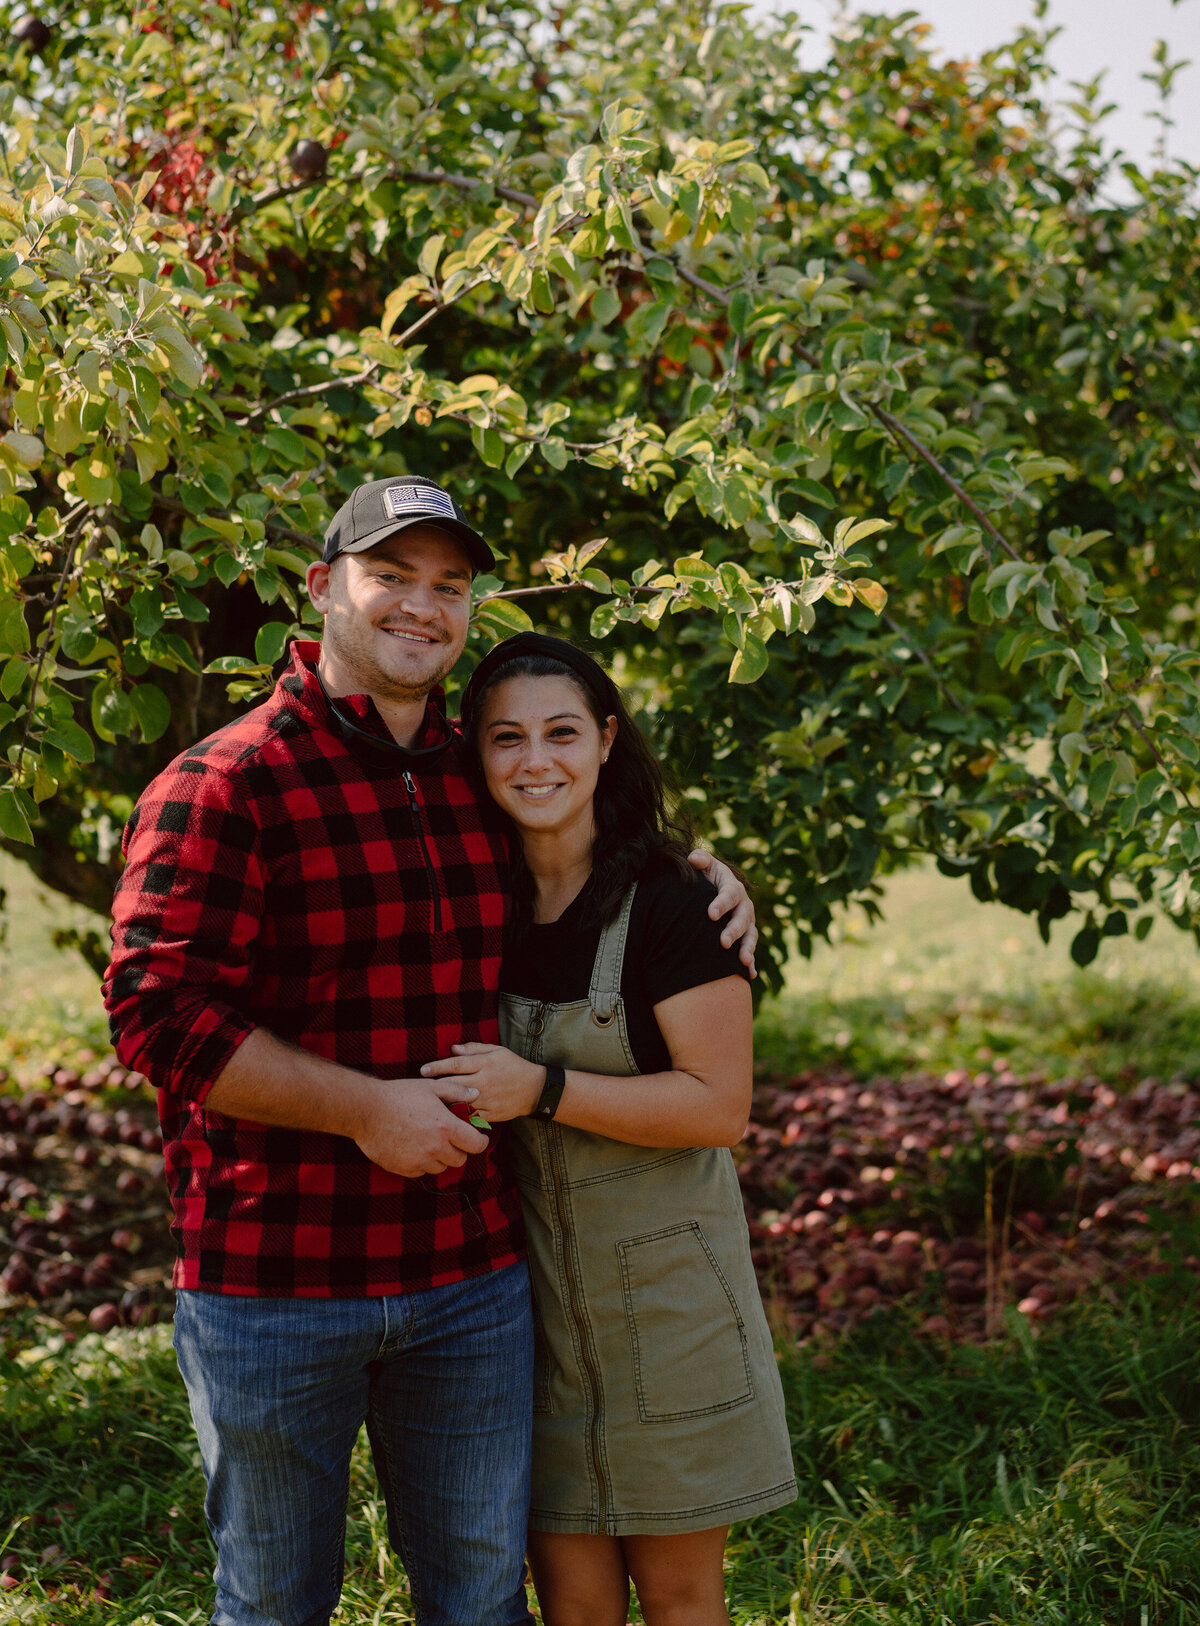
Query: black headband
{"x": 589, "y": 672}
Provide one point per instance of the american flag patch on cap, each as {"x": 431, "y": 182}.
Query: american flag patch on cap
{"x": 401, "y": 500}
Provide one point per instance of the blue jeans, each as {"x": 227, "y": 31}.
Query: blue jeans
{"x": 444, "y": 1381}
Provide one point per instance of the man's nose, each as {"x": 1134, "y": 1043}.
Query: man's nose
{"x": 419, "y": 600}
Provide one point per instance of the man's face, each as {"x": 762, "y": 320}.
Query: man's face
{"x": 396, "y": 616}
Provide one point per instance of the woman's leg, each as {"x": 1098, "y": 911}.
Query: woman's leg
{"x": 680, "y": 1580}
{"x": 580, "y": 1580}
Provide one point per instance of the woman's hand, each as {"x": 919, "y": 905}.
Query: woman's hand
{"x": 508, "y": 1085}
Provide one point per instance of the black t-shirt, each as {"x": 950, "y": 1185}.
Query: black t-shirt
{"x": 672, "y": 945}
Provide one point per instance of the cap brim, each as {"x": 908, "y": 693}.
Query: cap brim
{"x": 477, "y": 550}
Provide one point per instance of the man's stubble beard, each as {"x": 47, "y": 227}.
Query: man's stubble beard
{"x": 373, "y": 679}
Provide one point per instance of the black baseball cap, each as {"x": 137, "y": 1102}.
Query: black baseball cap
{"x": 382, "y": 507}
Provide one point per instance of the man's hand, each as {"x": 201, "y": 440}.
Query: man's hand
{"x": 410, "y": 1131}
{"x": 506, "y": 1084}
{"x": 403, "y": 1124}
{"x": 733, "y": 900}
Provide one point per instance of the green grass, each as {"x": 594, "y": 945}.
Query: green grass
{"x": 50, "y": 999}
{"x": 945, "y": 981}
{"x": 1053, "y": 1482}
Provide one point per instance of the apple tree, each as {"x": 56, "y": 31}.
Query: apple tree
{"x": 855, "y": 412}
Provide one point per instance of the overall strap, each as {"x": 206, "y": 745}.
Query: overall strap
{"x": 606, "y": 972}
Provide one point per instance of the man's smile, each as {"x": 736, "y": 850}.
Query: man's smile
{"x": 411, "y": 635}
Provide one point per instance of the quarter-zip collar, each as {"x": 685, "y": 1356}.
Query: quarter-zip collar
{"x": 355, "y": 718}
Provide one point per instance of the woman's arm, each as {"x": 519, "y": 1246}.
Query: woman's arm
{"x": 703, "y": 1101}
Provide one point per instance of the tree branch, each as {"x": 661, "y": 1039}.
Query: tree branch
{"x": 284, "y": 533}
{"x": 323, "y": 386}
{"x": 888, "y": 419}
{"x": 427, "y": 177}
{"x": 891, "y": 422}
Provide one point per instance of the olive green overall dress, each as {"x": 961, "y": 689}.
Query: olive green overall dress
{"x": 657, "y": 1402}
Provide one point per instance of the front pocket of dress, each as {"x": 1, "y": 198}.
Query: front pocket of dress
{"x": 686, "y": 1333}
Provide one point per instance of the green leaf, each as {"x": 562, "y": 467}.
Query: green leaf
{"x": 112, "y": 712}
{"x": 751, "y": 660}
{"x": 606, "y": 303}
{"x": 1100, "y": 781}
{"x": 271, "y": 642}
{"x": 849, "y": 532}
{"x": 152, "y": 710}
{"x": 13, "y": 822}
{"x": 14, "y": 630}
{"x": 225, "y": 664}
{"x": 1148, "y": 786}
{"x": 185, "y": 364}
{"x": 1085, "y": 945}
{"x": 290, "y": 446}
{"x": 741, "y": 307}
{"x": 93, "y": 480}
{"x": 147, "y": 391}
{"x": 145, "y": 606}
{"x": 27, "y": 449}
{"x": 810, "y": 490}
{"x": 431, "y": 249}
{"x": 67, "y": 735}
{"x": 501, "y": 617}
{"x": 603, "y": 619}
{"x": 192, "y": 608}
{"x": 13, "y": 677}
{"x": 227, "y": 567}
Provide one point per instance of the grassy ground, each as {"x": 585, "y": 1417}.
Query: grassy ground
{"x": 1047, "y": 1482}
{"x": 49, "y": 998}
{"x": 1054, "y": 1482}
{"x": 946, "y": 981}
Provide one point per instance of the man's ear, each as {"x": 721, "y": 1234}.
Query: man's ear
{"x": 316, "y": 580}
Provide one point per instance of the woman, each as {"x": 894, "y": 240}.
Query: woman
{"x": 658, "y": 1409}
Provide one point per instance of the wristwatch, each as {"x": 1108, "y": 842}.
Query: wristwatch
{"x": 546, "y": 1104}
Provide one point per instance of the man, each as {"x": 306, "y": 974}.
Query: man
{"x": 313, "y": 907}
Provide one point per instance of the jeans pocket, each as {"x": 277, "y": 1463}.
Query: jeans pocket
{"x": 686, "y": 1332}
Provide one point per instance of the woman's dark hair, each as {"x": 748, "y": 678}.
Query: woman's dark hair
{"x": 637, "y": 816}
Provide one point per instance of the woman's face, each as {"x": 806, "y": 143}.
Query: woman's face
{"x": 541, "y": 750}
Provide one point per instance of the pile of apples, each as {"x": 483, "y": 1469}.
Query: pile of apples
{"x": 83, "y": 1208}
{"x": 955, "y": 1196}
{"x": 958, "y": 1195}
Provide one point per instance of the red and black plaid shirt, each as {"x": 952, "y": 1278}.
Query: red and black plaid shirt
{"x": 283, "y": 874}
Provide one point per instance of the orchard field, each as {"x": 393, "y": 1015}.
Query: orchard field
{"x": 971, "y": 1189}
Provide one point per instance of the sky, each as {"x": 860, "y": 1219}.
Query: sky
{"x": 1113, "y": 35}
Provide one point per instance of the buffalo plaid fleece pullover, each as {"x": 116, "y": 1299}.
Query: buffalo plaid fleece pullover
{"x": 351, "y": 899}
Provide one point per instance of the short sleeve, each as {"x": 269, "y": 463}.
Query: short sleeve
{"x": 678, "y": 946}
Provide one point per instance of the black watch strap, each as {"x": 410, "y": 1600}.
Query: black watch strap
{"x": 546, "y": 1104}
